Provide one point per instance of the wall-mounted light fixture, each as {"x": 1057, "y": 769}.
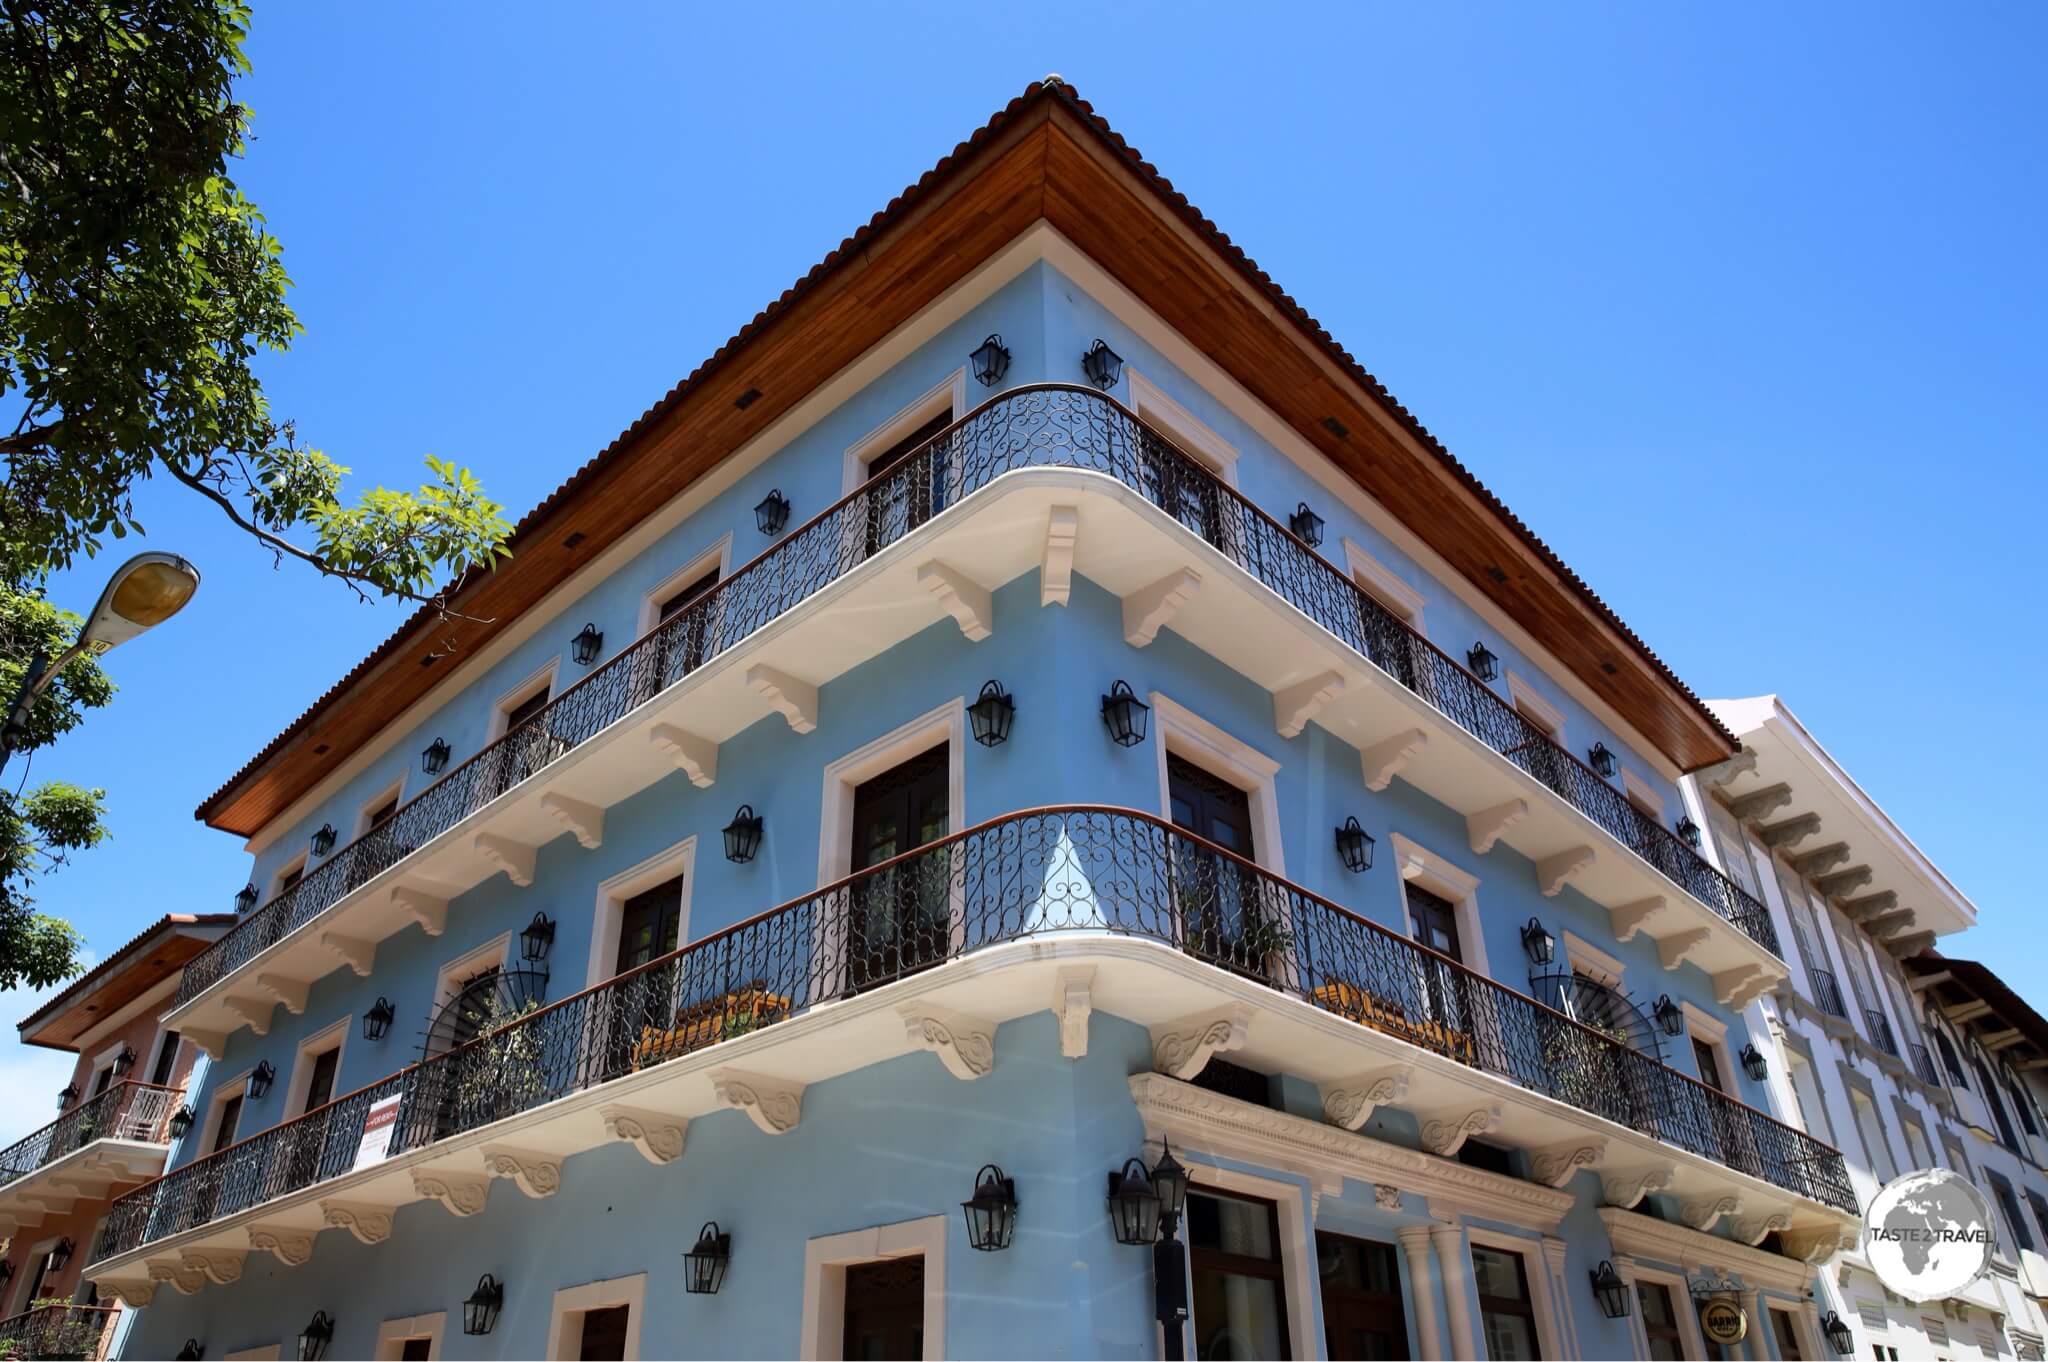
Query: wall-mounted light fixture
{"x": 992, "y": 713}
{"x": 124, "y": 1061}
{"x": 584, "y": 647}
{"x": 742, "y": 836}
{"x": 704, "y": 1266}
{"x": 1689, "y": 832}
{"x": 245, "y": 898}
{"x": 536, "y": 938}
{"x": 480, "y": 1311}
{"x": 992, "y": 1211}
{"x": 1669, "y": 1015}
{"x": 66, "y": 1095}
{"x": 1483, "y": 663}
{"x": 1753, "y": 1062}
{"x": 377, "y": 1021}
{"x": 991, "y": 360}
{"x": 1611, "y": 1291}
{"x": 434, "y": 756}
{"x": 319, "y": 1333}
{"x": 1354, "y": 846}
{"x": 772, "y": 513}
{"x": 1102, "y": 365}
{"x": 1133, "y": 1205}
{"x": 6, "y": 1271}
{"x": 191, "y": 1352}
{"x": 323, "y": 840}
{"x": 260, "y": 1079}
{"x": 1538, "y": 944}
{"x": 181, "y": 1122}
{"x": 1307, "y": 525}
{"x": 1601, "y": 760}
{"x": 1124, "y": 714}
{"x": 1837, "y": 1330}
{"x": 60, "y": 1255}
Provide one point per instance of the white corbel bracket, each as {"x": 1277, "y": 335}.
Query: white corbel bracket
{"x": 355, "y": 952}
{"x": 1485, "y": 827}
{"x": 1071, "y": 1004}
{"x": 1626, "y": 1190}
{"x": 292, "y": 1247}
{"x": 960, "y": 596}
{"x": 695, "y": 757}
{"x": 1294, "y": 706}
{"x": 460, "y": 1193}
{"x": 1446, "y": 1134}
{"x": 1181, "y": 1049}
{"x": 1553, "y": 873}
{"x": 1753, "y": 1230}
{"x": 290, "y": 992}
{"x": 255, "y": 1011}
{"x": 1554, "y": 1167}
{"x": 1705, "y": 1213}
{"x": 1152, "y": 608}
{"x": 188, "y": 1280}
{"x": 214, "y": 1043}
{"x": 796, "y": 701}
{"x": 514, "y": 858}
{"x": 1674, "y": 950}
{"x": 134, "y": 1292}
{"x": 1632, "y": 918}
{"x": 536, "y": 1174}
{"x": 1388, "y": 757}
{"x": 222, "y": 1267}
{"x": 369, "y": 1224}
{"x": 1350, "y": 1103}
{"x": 428, "y": 910}
{"x": 965, "y": 1045}
{"x": 773, "y": 1104}
{"x": 585, "y": 820}
{"x": 658, "y": 1135}
{"x": 1056, "y": 571}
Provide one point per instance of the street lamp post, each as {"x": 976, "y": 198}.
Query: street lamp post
{"x": 143, "y": 592}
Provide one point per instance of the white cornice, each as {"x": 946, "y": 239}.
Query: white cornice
{"x": 1643, "y": 1236}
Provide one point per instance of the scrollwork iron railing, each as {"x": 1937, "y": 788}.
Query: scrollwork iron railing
{"x": 77, "y": 1331}
{"x": 1019, "y": 877}
{"x": 1049, "y": 425}
{"x": 125, "y": 1111}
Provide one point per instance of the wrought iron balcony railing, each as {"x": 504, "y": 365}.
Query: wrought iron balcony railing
{"x": 125, "y": 1111}
{"x": 1880, "y": 1030}
{"x": 1923, "y": 1065}
{"x": 1026, "y": 875}
{"x": 1827, "y": 992}
{"x": 1051, "y": 425}
{"x": 59, "y": 1330}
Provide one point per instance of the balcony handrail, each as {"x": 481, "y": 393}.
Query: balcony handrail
{"x": 56, "y": 1330}
{"x": 1106, "y": 437}
{"x": 1827, "y": 991}
{"x": 102, "y": 1116}
{"x": 1070, "y": 868}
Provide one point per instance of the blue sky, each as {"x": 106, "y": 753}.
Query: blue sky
{"x": 1751, "y": 289}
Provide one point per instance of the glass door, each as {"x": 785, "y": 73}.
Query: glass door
{"x": 900, "y": 920}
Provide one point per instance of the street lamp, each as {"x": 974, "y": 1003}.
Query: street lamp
{"x": 143, "y": 592}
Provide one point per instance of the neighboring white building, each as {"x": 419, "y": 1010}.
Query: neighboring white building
{"x": 1884, "y": 1049}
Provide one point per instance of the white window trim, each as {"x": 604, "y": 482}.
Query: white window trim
{"x": 1417, "y": 863}
{"x": 1187, "y": 735}
{"x": 1681, "y": 1306}
{"x": 572, "y": 1301}
{"x": 1188, "y": 431}
{"x": 827, "y": 1258}
{"x": 1715, "y": 1033}
{"x": 498, "y": 949}
{"x": 719, "y": 555}
{"x": 104, "y": 1062}
{"x": 680, "y": 859}
{"x": 236, "y": 1086}
{"x": 945, "y": 724}
{"x": 1535, "y": 1268}
{"x": 1588, "y": 959}
{"x": 1642, "y": 794}
{"x": 1378, "y": 581}
{"x": 84, "y": 1282}
{"x": 1532, "y": 705}
{"x": 394, "y": 792}
{"x": 297, "y": 863}
{"x": 950, "y": 394}
{"x": 542, "y": 679}
{"x": 1296, "y": 1253}
{"x": 25, "y": 1277}
{"x": 302, "y": 1064}
{"x": 269, "y": 1352}
{"x": 393, "y": 1334}
{"x": 156, "y": 1054}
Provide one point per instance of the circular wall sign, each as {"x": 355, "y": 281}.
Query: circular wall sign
{"x": 1723, "y": 1321}
{"x": 1928, "y": 1234}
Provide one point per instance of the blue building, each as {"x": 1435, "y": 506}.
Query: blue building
{"x": 1029, "y": 702}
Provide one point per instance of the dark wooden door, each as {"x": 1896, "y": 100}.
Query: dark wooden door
{"x": 1183, "y": 489}
{"x": 527, "y": 748}
{"x": 166, "y": 1060}
{"x": 650, "y": 926}
{"x": 901, "y": 918}
{"x": 907, "y": 483}
{"x": 230, "y": 1117}
{"x": 1444, "y": 989}
{"x": 320, "y": 1087}
{"x": 884, "y": 1310}
{"x": 1217, "y": 898}
{"x": 678, "y": 649}
{"x": 1363, "y": 1318}
{"x": 604, "y": 1334}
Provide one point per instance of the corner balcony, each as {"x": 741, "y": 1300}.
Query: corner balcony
{"x": 112, "y": 1140}
{"x": 1092, "y": 908}
{"x": 69, "y": 1331}
{"x": 1053, "y": 478}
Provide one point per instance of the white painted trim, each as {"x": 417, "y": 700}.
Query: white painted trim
{"x": 719, "y": 553}
{"x": 1297, "y": 1255}
{"x": 1701, "y": 1026}
{"x": 945, "y": 724}
{"x": 680, "y": 859}
{"x": 1641, "y": 793}
{"x": 236, "y": 1085}
{"x": 297, "y": 863}
{"x": 572, "y": 1301}
{"x": 1417, "y": 863}
{"x": 156, "y": 1053}
{"x": 1538, "y": 1273}
{"x": 1681, "y": 1306}
{"x": 1535, "y": 708}
{"x": 392, "y": 1335}
{"x": 825, "y": 1262}
{"x": 152, "y": 1000}
{"x": 302, "y": 1064}
{"x": 544, "y": 678}
{"x": 1187, "y": 735}
{"x": 394, "y": 792}
{"x": 268, "y": 1353}
{"x": 498, "y": 948}
{"x": 1588, "y": 959}
{"x": 1155, "y": 408}
{"x": 1380, "y": 582}
{"x": 949, "y": 394}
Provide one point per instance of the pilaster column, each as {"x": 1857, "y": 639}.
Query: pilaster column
{"x": 1429, "y": 1330}
{"x": 1451, "y": 1259}
{"x": 1638, "y": 1332}
{"x": 1753, "y": 1306}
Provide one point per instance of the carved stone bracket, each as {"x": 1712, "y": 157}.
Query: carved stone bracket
{"x": 960, "y": 596}
{"x": 188, "y": 1280}
{"x": 965, "y": 1045}
{"x": 1152, "y": 608}
{"x": 1730, "y": 983}
{"x": 1673, "y": 950}
{"x": 290, "y": 992}
{"x": 215, "y": 1043}
{"x": 430, "y": 911}
{"x": 658, "y": 1135}
{"x": 1388, "y": 757}
{"x": 1821, "y": 860}
{"x": 536, "y": 1174}
{"x": 1294, "y": 706}
{"x": 1706, "y": 1212}
{"x": 773, "y": 1104}
{"x": 222, "y": 1267}
{"x": 1554, "y": 1167}
{"x": 1070, "y": 1003}
{"x": 1871, "y": 905}
{"x": 460, "y": 1193}
{"x": 1350, "y": 1103}
{"x": 514, "y": 858}
{"x": 1445, "y": 1135}
{"x": 292, "y": 1247}
{"x": 1181, "y": 1049}
{"x": 1553, "y": 873}
{"x": 1631, "y": 918}
{"x": 1484, "y": 828}
{"x": 1056, "y": 570}
{"x": 1791, "y": 832}
{"x": 369, "y": 1224}
{"x": 355, "y": 952}
{"x": 1726, "y": 773}
{"x": 1843, "y": 882}
{"x": 1761, "y": 803}
{"x": 134, "y": 1292}
{"x": 1752, "y": 1230}
{"x": 796, "y": 701}
{"x": 1386, "y": 1196}
{"x": 1813, "y": 1246}
{"x": 1626, "y": 1190}
{"x": 255, "y": 1011}
{"x": 695, "y": 757}
{"x": 584, "y": 819}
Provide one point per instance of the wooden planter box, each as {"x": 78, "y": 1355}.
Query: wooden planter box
{"x": 737, "y": 1013}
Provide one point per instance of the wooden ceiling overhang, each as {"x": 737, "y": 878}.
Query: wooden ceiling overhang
{"x": 160, "y": 952}
{"x": 1044, "y": 157}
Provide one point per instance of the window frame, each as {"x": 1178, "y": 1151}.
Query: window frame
{"x": 612, "y": 894}
{"x": 394, "y": 1334}
{"x": 306, "y": 1054}
{"x": 718, "y": 555}
{"x": 571, "y": 1303}
{"x": 949, "y": 394}
{"x": 1185, "y": 734}
{"x": 1380, "y": 582}
{"x": 1535, "y": 1272}
{"x": 826, "y": 1258}
{"x": 543, "y": 679}
{"x": 1416, "y": 864}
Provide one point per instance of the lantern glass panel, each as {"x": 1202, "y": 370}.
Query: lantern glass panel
{"x": 1537, "y": 943}
{"x": 772, "y": 513}
{"x": 1483, "y": 663}
{"x": 1611, "y": 1291}
{"x": 60, "y": 1255}
{"x": 181, "y": 1122}
{"x": 260, "y": 1080}
{"x": 124, "y": 1061}
{"x": 1102, "y": 365}
{"x": 1125, "y": 714}
{"x": 537, "y": 938}
{"x": 1753, "y": 1063}
{"x": 704, "y": 1266}
{"x": 1837, "y": 1330}
{"x": 1354, "y": 846}
{"x": 323, "y": 840}
{"x": 742, "y": 836}
{"x": 1170, "y": 1180}
{"x": 1133, "y": 1205}
{"x": 66, "y": 1095}
{"x": 1307, "y": 525}
{"x": 319, "y": 1333}
{"x": 1601, "y": 759}
{"x": 991, "y": 360}
{"x": 480, "y": 1311}
{"x": 1690, "y": 831}
{"x": 992, "y": 715}
{"x": 585, "y": 645}
{"x": 377, "y": 1021}
{"x": 1669, "y": 1016}
{"x": 434, "y": 757}
{"x": 992, "y": 1213}
{"x": 246, "y": 899}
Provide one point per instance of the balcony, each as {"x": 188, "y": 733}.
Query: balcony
{"x": 1827, "y": 992}
{"x": 1923, "y": 1065}
{"x": 974, "y": 919}
{"x": 72, "y": 1331}
{"x": 970, "y": 508}
{"x": 1880, "y": 1031}
{"x": 112, "y": 1139}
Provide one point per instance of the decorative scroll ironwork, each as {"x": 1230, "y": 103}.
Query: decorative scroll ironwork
{"x": 59, "y": 1331}
{"x": 125, "y": 1111}
{"x": 1050, "y": 871}
{"x": 1049, "y": 425}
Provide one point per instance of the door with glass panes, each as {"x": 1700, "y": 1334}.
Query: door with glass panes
{"x": 900, "y": 919}
{"x": 1222, "y": 917}
{"x": 1363, "y": 1316}
{"x": 650, "y": 926}
{"x": 906, "y": 484}
{"x": 1446, "y": 1005}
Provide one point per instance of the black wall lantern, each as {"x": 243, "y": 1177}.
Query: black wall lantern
{"x": 992, "y": 1214}
{"x": 1354, "y": 846}
{"x": 585, "y": 645}
{"x": 323, "y": 840}
{"x": 181, "y": 1123}
{"x": 434, "y": 757}
{"x": 1611, "y": 1290}
{"x": 1753, "y": 1062}
{"x": 6, "y": 1271}
{"x": 377, "y": 1021}
{"x": 1483, "y": 663}
{"x": 1170, "y": 1180}
{"x": 1601, "y": 760}
{"x": 260, "y": 1080}
{"x": 124, "y": 1061}
{"x": 1124, "y": 713}
{"x": 1102, "y": 365}
{"x": 191, "y": 1352}
{"x": 66, "y": 1095}
{"x": 704, "y": 1266}
{"x": 992, "y": 715}
{"x": 1133, "y": 1205}
{"x": 538, "y": 936}
{"x": 1690, "y": 831}
{"x": 1306, "y": 524}
{"x": 991, "y": 360}
{"x": 742, "y": 836}
{"x": 246, "y": 899}
{"x": 319, "y": 1333}
{"x": 60, "y": 1255}
{"x": 1669, "y": 1015}
{"x": 773, "y": 513}
{"x": 480, "y": 1311}
{"x": 1837, "y": 1330}
{"x": 1538, "y": 944}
